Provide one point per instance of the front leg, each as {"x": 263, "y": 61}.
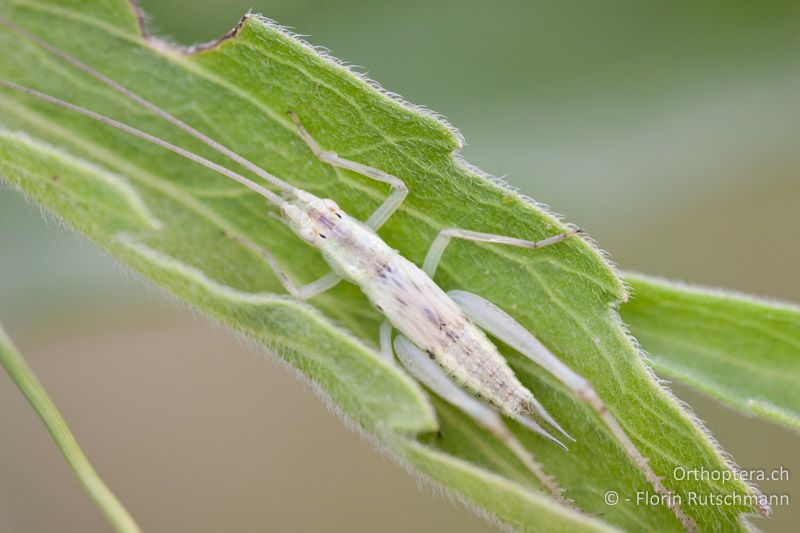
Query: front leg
{"x": 304, "y": 292}
{"x": 399, "y": 188}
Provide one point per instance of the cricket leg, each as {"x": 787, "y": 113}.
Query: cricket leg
{"x": 426, "y": 371}
{"x": 446, "y": 235}
{"x": 305, "y": 292}
{"x": 432, "y": 376}
{"x": 498, "y": 323}
{"x": 399, "y": 188}
{"x": 386, "y": 341}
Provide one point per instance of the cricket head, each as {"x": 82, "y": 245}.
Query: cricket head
{"x": 313, "y": 219}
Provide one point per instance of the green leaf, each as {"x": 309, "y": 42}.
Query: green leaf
{"x": 738, "y": 349}
{"x": 22, "y": 375}
{"x": 522, "y": 509}
{"x": 168, "y": 219}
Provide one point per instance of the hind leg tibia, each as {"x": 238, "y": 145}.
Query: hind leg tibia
{"x": 499, "y": 324}
{"x": 427, "y": 372}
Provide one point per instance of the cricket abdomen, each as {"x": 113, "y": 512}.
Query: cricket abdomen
{"x": 475, "y": 363}
{"x": 425, "y": 314}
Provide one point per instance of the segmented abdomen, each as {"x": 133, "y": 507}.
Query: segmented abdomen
{"x": 474, "y": 362}
{"x": 421, "y": 310}
{"x": 430, "y": 319}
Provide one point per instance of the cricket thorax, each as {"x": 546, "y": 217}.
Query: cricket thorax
{"x": 352, "y": 250}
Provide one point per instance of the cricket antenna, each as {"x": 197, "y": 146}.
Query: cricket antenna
{"x": 270, "y": 196}
{"x": 227, "y": 152}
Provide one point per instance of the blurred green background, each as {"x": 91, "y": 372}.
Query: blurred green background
{"x": 670, "y": 131}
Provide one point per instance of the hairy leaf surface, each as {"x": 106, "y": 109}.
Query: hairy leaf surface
{"x": 168, "y": 219}
{"x": 740, "y": 350}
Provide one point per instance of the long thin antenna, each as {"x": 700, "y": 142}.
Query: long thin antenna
{"x": 227, "y": 152}
{"x": 250, "y": 184}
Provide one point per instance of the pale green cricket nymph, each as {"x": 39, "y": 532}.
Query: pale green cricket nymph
{"x": 442, "y": 339}
{"x": 417, "y": 307}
